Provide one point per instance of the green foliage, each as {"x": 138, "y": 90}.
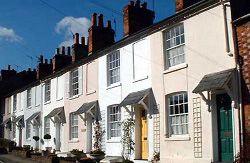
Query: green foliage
{"x": 98, "y": 135}
{"x": 127, "y": 138}
{"x": 78, "y": 154}
{"x": 156, "y": 156}
{"x": 47, "y": 136}
{"x": 36, "y": 138}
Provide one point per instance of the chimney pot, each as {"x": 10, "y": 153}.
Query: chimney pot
{"x": 131, "y": 3}
{"x": 50, "y": 61}
{"x": 76, "y": 38}
{"x": 83, "y": 41}
{"x": 68, "y": 50}
{"x": 144, "y": 5}
{"x": 46, "y": 61}
{"x": 137, "y": 3}
{"x": 63, "y": 50}
{"x": 41, "y": 58}
{"x": 8, "y": 67}
{"x": 29, "y": 69}
{"x": 100, "y": 22}
{"x": 57, "y": 50}
{"x": 109, "y": 24}
{"x": 94, "y": 19}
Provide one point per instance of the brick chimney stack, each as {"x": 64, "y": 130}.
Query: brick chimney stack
{"x": 182, "y": 4}
{"x": 6, "y": 74}
{"x": 44, "y": 68}
{"x": 136, "y": 16}
{"x": 100, "y": 36}
{"x": 59, "y": 61}
{"x": 79, "y": 50}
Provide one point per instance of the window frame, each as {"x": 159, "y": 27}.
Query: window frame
{"x": 74, "y": 84}
{"x": 175, "y": 46}
{"x": 28, "y": 130}
{"x": 46, "y": 126}
{"x": 29, "y": 98}
{"x": 118, "y": 122}
{"x": 112, "y": 79}
{"x": 74, "y": 134}
{"x": 14, "y": 103}
{"x": 185, "y": 113}
{"x": 47, "y": 91}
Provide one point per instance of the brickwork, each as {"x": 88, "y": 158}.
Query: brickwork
{"x": 243, "y": 38}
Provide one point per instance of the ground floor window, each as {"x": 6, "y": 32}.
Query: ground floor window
{"x": 73, "y": 126}
{"x": 114, "y": 121}
{"x": 28, "y": 130}
{"x": 177, "y": 108}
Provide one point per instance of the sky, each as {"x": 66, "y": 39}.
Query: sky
{"x": 30, "y": 28}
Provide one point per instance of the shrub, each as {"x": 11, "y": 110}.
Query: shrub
{"x": 26, "y": 147}
{"x": 36, "y": 138}
{"x": 47, "y": 136}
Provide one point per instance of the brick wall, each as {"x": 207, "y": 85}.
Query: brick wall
{"x": 243, "y": 37}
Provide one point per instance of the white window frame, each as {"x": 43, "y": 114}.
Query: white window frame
{"x": 113, "y": 67}
{"x": 178, "y": 115}
{"x": 73, "y": 126}
{"x": 47, "y": 91}
{"x": 74, "y": 82}
{"x": 46, "y": 126}
{"x": 174, "y": 46}
{"x": 28, "y": 98}
{"x": 14, "y": 103}
{"x": 114, "y": 121}
{"x": 28, "y": 130}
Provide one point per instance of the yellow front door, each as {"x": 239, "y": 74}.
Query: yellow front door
{"x": 144, "y": 135}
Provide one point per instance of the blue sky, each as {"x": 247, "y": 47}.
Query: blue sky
{"x": 29, "y": 28}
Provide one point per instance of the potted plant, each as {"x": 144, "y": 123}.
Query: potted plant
{"x": 36, "y": 138}
{"x": 47, "y": 137}
{"x": 156, "y": 157}
{"x": 97, "y": 154}
{"x": 127, "y": 139}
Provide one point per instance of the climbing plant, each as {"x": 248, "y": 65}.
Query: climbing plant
{"x": 127, "y": 141}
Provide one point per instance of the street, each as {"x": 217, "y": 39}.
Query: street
{"x": 8, "y": 158}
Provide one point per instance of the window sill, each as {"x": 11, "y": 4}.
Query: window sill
{"x": 29, "y": 139}
{"x": 37, "y": 105}
{"x": 114, "y": 140}
{"x": 59, "y": 99}
{"x": 48, "y": 102}
{"x": 137, "y": 80}
{"x": 73, "y": 97}
{"x": 114, "y": 85}
{"x": 29, "y": 107}
{"x": 176, "y": 68}
{"x": 90, "y": 93}
{"x": 74, "y": 141}
{"x": 179, "y": 138}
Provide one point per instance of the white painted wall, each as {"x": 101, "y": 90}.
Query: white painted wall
{"x": 135, "y": 75}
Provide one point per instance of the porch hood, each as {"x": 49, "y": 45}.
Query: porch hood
{"x": 135, "y": 97}
{"x": 214, "y": 81}
{"x": 59, "y": 113}
{"x": 90, "y": 107}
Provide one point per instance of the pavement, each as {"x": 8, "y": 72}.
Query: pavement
{"x": 9, "y": 158}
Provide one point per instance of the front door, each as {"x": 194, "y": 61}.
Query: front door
{"x": 20, "y": 136}
{"x": 225, "y": 133}
{"x": 58, "y": 131}
{"x": 144, "y": 135}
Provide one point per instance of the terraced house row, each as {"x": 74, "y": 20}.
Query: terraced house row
{"x": 179, "y": 79}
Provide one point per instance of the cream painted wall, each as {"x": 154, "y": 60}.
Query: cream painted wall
{"x": 205, "y": 53}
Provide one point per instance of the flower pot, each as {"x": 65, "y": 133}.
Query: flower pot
{"x": 96, "y": 157}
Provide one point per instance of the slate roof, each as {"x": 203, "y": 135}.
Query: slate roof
{"x": 58, "y": 111}
{"x": 135, "y": 97}
{"x": 214, "y": 81}
{"x": 86, "y": 107}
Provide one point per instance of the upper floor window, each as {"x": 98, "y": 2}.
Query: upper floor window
{"x": 14, "y": 103}
{"x": 47, "y": 91}
{"x": 73, "y": 126}
{"x": 114, "y": 121}
{"x": 74, "y": 82}
{"x": 46, "y": 126}
{"x": 174, "y": 41}
{"x": 113, "y": 67}
{"x": 178, "y": 114}
{"x": 29, "y": 98}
